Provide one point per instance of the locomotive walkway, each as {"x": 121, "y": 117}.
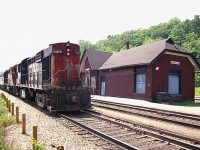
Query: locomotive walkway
{"x": 144, "y": 103}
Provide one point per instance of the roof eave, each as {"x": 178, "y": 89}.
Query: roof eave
{"x": 132, "y": 65}
{"x": 83, "y": 55}
{"x": 194, "y": 61}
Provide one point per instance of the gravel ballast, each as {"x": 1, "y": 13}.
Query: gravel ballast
{"x": 174, "y": 128}
{"x": 50, "y": 131}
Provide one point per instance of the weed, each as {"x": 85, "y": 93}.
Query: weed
{"x": 37, "y": 145}
{"x": 197, "y": 91}
{"x": 185, "y": 103}
{"x": 5, "y": 121}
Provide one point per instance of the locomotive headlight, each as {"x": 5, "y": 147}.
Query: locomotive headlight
{"x": 75, "y": 99}
{"x": 68, "y": 50}
{"x": 68, "y": 54}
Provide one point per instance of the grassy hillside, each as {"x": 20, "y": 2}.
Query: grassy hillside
{"x": 184, "y": 33}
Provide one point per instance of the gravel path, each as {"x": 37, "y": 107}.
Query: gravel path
{"x": 50, "y": 131}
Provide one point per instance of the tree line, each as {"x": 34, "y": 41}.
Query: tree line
{"x": 184, "y": 33}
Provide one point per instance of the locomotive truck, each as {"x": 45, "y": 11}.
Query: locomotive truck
{"x": 51, "y": 78}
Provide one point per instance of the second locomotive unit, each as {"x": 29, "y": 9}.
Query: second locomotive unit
{"x": 51, "y": 78}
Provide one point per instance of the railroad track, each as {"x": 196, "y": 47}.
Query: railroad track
{"x": 197, "y": 98}
{"x": 158, "y": 114}
{"x": 111, "y": 134}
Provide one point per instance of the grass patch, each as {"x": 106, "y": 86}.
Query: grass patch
{"x": 5, "y": 121}
{"x": 197, "y": 91}
{"x": 185, "y": 103}
{"x": 38, "y": 145}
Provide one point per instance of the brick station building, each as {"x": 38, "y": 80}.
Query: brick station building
{"x": 91, "y": 61}
{"x": 145, "y": 72}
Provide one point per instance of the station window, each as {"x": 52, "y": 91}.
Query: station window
{"x": 140, "y": 79}
{"x": 174, "y": 82}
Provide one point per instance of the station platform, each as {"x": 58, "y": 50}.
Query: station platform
{"x": 138, "y": 102}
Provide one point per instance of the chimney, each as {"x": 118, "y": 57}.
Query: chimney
{"x": 127, "y": 45}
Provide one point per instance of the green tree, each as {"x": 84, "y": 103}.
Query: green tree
{"x": 192, "y": 43}
{"x": 184, "y": 33}
{"x": 85, "y": 45}
{"x": 137, "y": 37}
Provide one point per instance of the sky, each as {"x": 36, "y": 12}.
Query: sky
{"x": 28, "y": 26}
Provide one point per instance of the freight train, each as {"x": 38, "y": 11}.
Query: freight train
{"x": 51, "y": 78}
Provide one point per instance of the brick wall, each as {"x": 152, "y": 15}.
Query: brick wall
{"x": 120, "y": 81}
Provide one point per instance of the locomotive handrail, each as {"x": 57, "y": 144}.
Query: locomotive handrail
{"x": 53, "y": 75}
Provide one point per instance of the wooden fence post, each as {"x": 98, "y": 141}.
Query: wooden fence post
{"x": 1, "y": 95}
{"x": 34, "y": 136}
{"x": 17, "y": 114}
{"x": 9, "y": 106}
{"x": 13, "y": 109}
{"x": 23, "y": 123}
{"x": 6, "y": 102}
{"x": 35, "y": 132}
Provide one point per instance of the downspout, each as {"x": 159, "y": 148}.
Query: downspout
{"x": 99, "y": 85}
{"x": 152, "y": 85}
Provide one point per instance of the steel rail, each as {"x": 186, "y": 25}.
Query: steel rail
{"x": 149, "y": 116}
{"x": 155, "y": 110}
{"x": 161, "y": 131}
{"x": 104, "y": 136}
{"x": 155, "y": 135}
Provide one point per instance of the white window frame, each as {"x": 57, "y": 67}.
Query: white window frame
{"x": 140, "y": 83}
{"x": 140, "y": 79}
{"x": 174, "y": 82}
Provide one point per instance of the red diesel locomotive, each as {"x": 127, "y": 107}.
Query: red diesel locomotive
{"x": 51, "y": 78}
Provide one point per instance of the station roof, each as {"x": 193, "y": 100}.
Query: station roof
{"x": 96, "y": 58}
{"x": 145, "y": 55}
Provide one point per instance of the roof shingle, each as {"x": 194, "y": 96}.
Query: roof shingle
{"x": 97, "y": 58}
